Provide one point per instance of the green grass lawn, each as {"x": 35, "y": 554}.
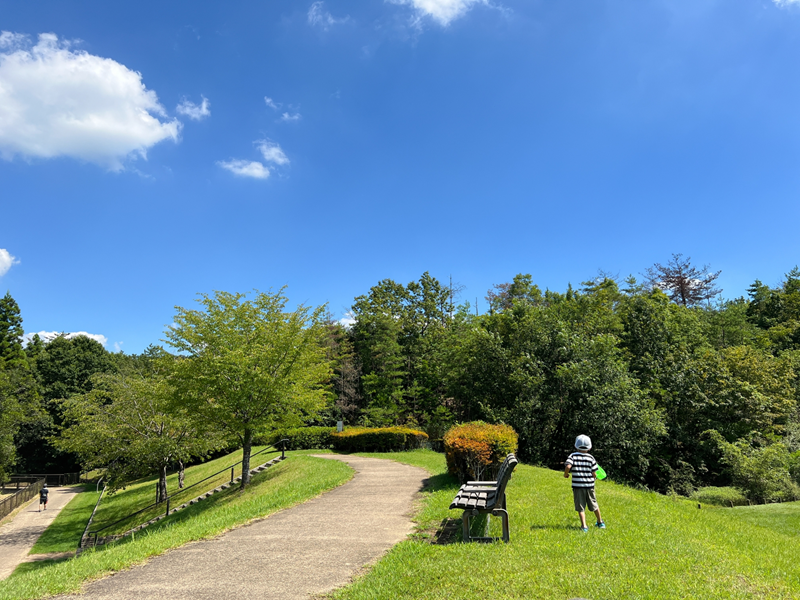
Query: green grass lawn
{"x": 655, "y": 547}
{"x": 293, "y": 481}
{"x": 65, "y": 531}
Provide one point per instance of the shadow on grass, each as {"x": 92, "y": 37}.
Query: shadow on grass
{"x": 436, "y": 483}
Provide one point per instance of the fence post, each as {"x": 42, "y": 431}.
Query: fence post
{"x": 167, "y": 514}
{"x": 232, "y": 475}
{"x": 283, "y": 449}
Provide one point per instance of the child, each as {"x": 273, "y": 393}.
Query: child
{"x": 43, "y": 497}
{"x": 584, "y": 473}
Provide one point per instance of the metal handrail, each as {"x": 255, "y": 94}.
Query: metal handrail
{"x": 282, "y": 450}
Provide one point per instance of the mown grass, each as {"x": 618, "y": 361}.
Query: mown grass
{"x": 655, "y": 547}
{"x": 65, "y": 531}
{"x": 293, "y": 481}
{"x": 142, "y": 493}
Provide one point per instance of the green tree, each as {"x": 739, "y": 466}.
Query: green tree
{"x": 250, "y": 366}
{"x": 131, "y": 425}
{"x": 19, "y": 394}
{"x": 399, "y": 335}
{"x": 63, "y": 367}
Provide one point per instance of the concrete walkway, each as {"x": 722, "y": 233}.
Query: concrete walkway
{"x": 296, "y": 553}
{"x": 18, "y": 536}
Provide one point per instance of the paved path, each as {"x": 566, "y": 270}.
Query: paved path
{"x": 18, "y": 536}
{"x": 296, "y": 553}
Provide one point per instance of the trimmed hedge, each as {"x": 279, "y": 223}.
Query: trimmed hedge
{"x": 306, "y": 438}
{"x": 475, "y": 451}
{"x": 384, "y": 439}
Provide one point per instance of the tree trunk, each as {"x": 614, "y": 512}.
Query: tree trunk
{"x": 162, "y": 484}
{"x": 181, "y": 474}
{"x": 246, "y": 447}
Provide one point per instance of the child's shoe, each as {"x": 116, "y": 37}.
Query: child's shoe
{"x": 584, "y": 529}
{"x": 600, "y": 525}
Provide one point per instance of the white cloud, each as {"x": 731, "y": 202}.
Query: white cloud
{"x": 443, "y": 11}
{"x": 58, "y": 102}
{"x": 271, "y": 103}
{"x": 783, "y": 3}
{"x": 118, "y": 346}
{"x": 245, "y": 168}
{"x": 319, "y": 17}
{"x": 272, "y": 152}
{"x": 291, "y": 118}
{"x": 348, "y": 320}
{"x": 6, "y": 261}
{"x": 194, "y": 111}
{"x": 12, "y": 40}
{"x": 49, "y": 336}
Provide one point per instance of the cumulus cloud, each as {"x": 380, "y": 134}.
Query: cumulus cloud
{"x": 245, "y": 168}
{"x": 319, "y": 17}
{"x": 291, "y": 118}
{"x": 272, "y": 152}
{"x": 55, "y": 101}
{"x": 6, "y": 261}
{"x": 271, "y": 103}
{"x": 784, "y": 3}
{"x": 49, "y": 336}
{"x": 194, "y": 111}
{"x": 442, "y": 11}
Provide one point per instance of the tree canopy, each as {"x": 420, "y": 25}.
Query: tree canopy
{"x": 250, "y": 365}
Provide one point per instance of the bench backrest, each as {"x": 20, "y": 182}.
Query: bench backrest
{"x": 504, "y": 474}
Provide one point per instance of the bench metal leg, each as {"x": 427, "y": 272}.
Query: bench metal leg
{"x": 465, "y": 525}
{"x": 503, "y": 514}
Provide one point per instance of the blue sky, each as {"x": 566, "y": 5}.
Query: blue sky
{"x": 153, "y": 151}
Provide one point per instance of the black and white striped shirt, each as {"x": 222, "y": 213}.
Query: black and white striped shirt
{"x": 583, "y": 467}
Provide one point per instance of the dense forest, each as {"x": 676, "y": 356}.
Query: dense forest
{"x": 679, "y": 388}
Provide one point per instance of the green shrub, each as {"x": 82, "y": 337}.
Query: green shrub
{"x": 475, "y": 451}
{"x": 720, "y": 496}
{"x": 305, "y": 438}
{"x": 761, "y": 471}
{"x": 384, "y": 439}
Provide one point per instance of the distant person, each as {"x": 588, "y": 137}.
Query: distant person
{"x": 583, "y": 467}
{"x": 43, "y": 497}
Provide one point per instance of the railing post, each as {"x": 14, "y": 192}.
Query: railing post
{"x": 232, "y": 474}
{"x": 166, "y": 515}
{"x": 283, "y": 449}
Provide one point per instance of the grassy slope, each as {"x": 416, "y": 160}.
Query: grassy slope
{"x": 142, "y": 493}
{"x": 654, "y": 547}
{"x": 293, "y": 481}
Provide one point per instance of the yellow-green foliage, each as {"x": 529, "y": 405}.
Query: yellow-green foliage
{"x": 383, "y": 439}
{"x": 476, "y": 450}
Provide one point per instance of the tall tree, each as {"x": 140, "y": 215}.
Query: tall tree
{"x": 250, "y": 366}
{"x": 63, "y": 367}
{"x": 10, "y": 332}
{"x": 682, "y": 282}
{"x": 131, "y": 425}
{"x": 19, "y": 394}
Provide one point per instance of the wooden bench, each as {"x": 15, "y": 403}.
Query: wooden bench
{"x": 486, "y": 497}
